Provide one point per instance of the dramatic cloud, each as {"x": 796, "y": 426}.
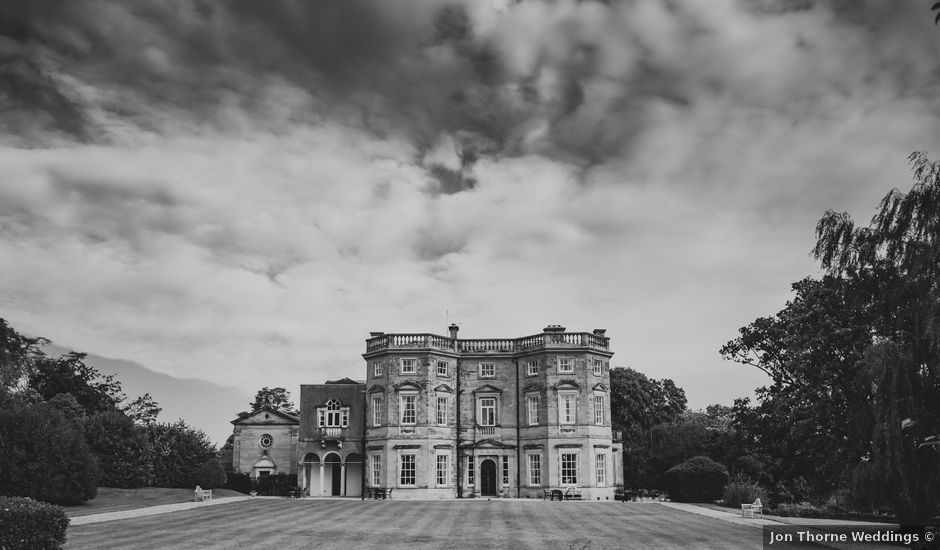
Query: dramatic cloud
{"x": 240, "y": 191}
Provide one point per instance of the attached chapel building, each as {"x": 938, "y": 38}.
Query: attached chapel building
{"x": 444, "y": 417}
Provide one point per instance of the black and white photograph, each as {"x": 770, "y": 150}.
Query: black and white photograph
{"x": 469, "y": 274}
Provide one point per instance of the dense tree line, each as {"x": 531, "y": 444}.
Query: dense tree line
{"x": 66, "y": 429}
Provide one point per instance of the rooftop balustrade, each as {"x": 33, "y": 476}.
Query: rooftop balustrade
{"x": 546, "y": 340}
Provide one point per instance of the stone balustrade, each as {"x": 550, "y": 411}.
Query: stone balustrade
{"x": 381, "y": 341}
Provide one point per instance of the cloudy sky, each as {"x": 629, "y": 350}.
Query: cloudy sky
{"x": 239, "y": 191}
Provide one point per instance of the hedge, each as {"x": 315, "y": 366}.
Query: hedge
{"x": 31, "y": 525}
{"x": 698, "y": 479}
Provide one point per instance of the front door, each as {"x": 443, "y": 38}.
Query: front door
{"x": 488, "y": 478}
{"x": 337, "y": 478}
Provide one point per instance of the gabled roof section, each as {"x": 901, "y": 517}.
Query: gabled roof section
{"x": 344, "y": 381}
{"x": 486, "y": 388}
{"x": 267, "y": 415}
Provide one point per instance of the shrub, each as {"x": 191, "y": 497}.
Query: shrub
{"x": 210, "y": 475}
{"x": 798, "y": 510}
{"x": 27, "y": 524}
{"x": 238, "y": 482}
{"x": 43, "y": 455}
{"x": 698, "y": 479}
{"x": 275, "y": 485}
{"x": 743, "y": 490}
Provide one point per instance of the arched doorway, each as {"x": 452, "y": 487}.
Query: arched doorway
{"x": 311, "y": 473}
{"x": 333, "y": 475}
{"x": 353, "y": 475}
{"x": 488, "y": 478}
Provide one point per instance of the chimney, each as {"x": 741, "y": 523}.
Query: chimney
{"x": 374, "y": 334}
{"x": 600, "y": 332}
{"x": 554, "y": 328}
{"x": 453, "y": 328}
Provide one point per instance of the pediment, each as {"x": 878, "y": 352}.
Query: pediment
{"x": 407, "y": 386}
{"x": 444, "y": 388}
{"x": 491, "y": 444}
{"x": 376, "y": 388}
{"x": 264, "y": 462}
{"x": 529, "y": 388}
{"x": 566, "y": 385}
{"x": 267, "y": 416}
{"x": 486, "y": 388}
{"x": 600, "y": 387}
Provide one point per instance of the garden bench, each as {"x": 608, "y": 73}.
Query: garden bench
{"x": 551, "y": 494}
{"x": 376, "y": 492}
{"x": 572, "y": 492}
{"x": 748, "y": 510}
{"x": 202, "y": 495}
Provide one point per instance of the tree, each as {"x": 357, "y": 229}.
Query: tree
{"x": 903, "y": 239}
{"x": 122, "y": 448}
{"x": 274, "y": 398}
{"x": 639, "y": 404}
{"x": 17, "y": 354}
{"x": 43, "y": 455}
{"x": 143, "y": 410}
{"x": 69, "y": 374}
{"x": 179, "y": 453}
{"x": 812, "y": 423}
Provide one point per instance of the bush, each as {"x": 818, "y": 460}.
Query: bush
{"x": 275, "y": 485}
{"x": 798, "y": 510}
{"x": 238, "y": 482}
{"x": 27, "y": 524}
{"x": 210, "y": 475}
{"x": 698, "y": 479}
{"x": 743, "y": 490}
{"x": 44, "y": 456}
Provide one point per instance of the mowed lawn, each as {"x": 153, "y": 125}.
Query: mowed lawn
{"x": 463, "y": 524}
{"x": 115, "y": 500}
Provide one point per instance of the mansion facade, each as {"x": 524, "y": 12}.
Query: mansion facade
{"x": 444, "y": 417}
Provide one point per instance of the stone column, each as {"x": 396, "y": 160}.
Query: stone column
{"x": 322, "y": 466}
{"x": 342, "y": 479}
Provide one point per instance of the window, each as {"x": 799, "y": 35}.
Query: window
{"x": 598, "y": 367}
{"x": 470, "y": 477}
{"x": 409, "y": 366}
{"x": 600, "y": 469}
{"x": 599, "y": 409}
{"x": 487, "y": 411}
{"x": 407, "y": 469}
{"x": 265, "y": 441}
{"x": 443, "y": 467}
{"x": 333, "y": 415}
{"x": 408, "y": 413}
{"x": 487, "y": 370}
{"x": 532, "y": 368}
{"x": 569, "y": 468}
{"x": 532, "y": 409}
{"x": 505, "y": 470}
{"x": 535, "y": 469}
{"x": 565, "y": 364}
{"x": 376, "y": 461}
{"x": 377, "y": 369}
{"x": 567, "y": 408}
{"x": 442, "y": 410}
{"x": 376, "y": 410}
{"x": 442, "y": 368}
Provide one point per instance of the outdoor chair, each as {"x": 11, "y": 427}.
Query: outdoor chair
{"x": 748, "y": 510}
{"x": 202, "y": 495}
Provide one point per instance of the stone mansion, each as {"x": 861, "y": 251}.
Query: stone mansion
{"x": 444, "y": 417}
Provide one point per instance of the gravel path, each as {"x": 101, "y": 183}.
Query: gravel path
{"x": 152, "y": 510}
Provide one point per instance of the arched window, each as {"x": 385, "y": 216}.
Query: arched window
{"x": 333, "y": 414}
